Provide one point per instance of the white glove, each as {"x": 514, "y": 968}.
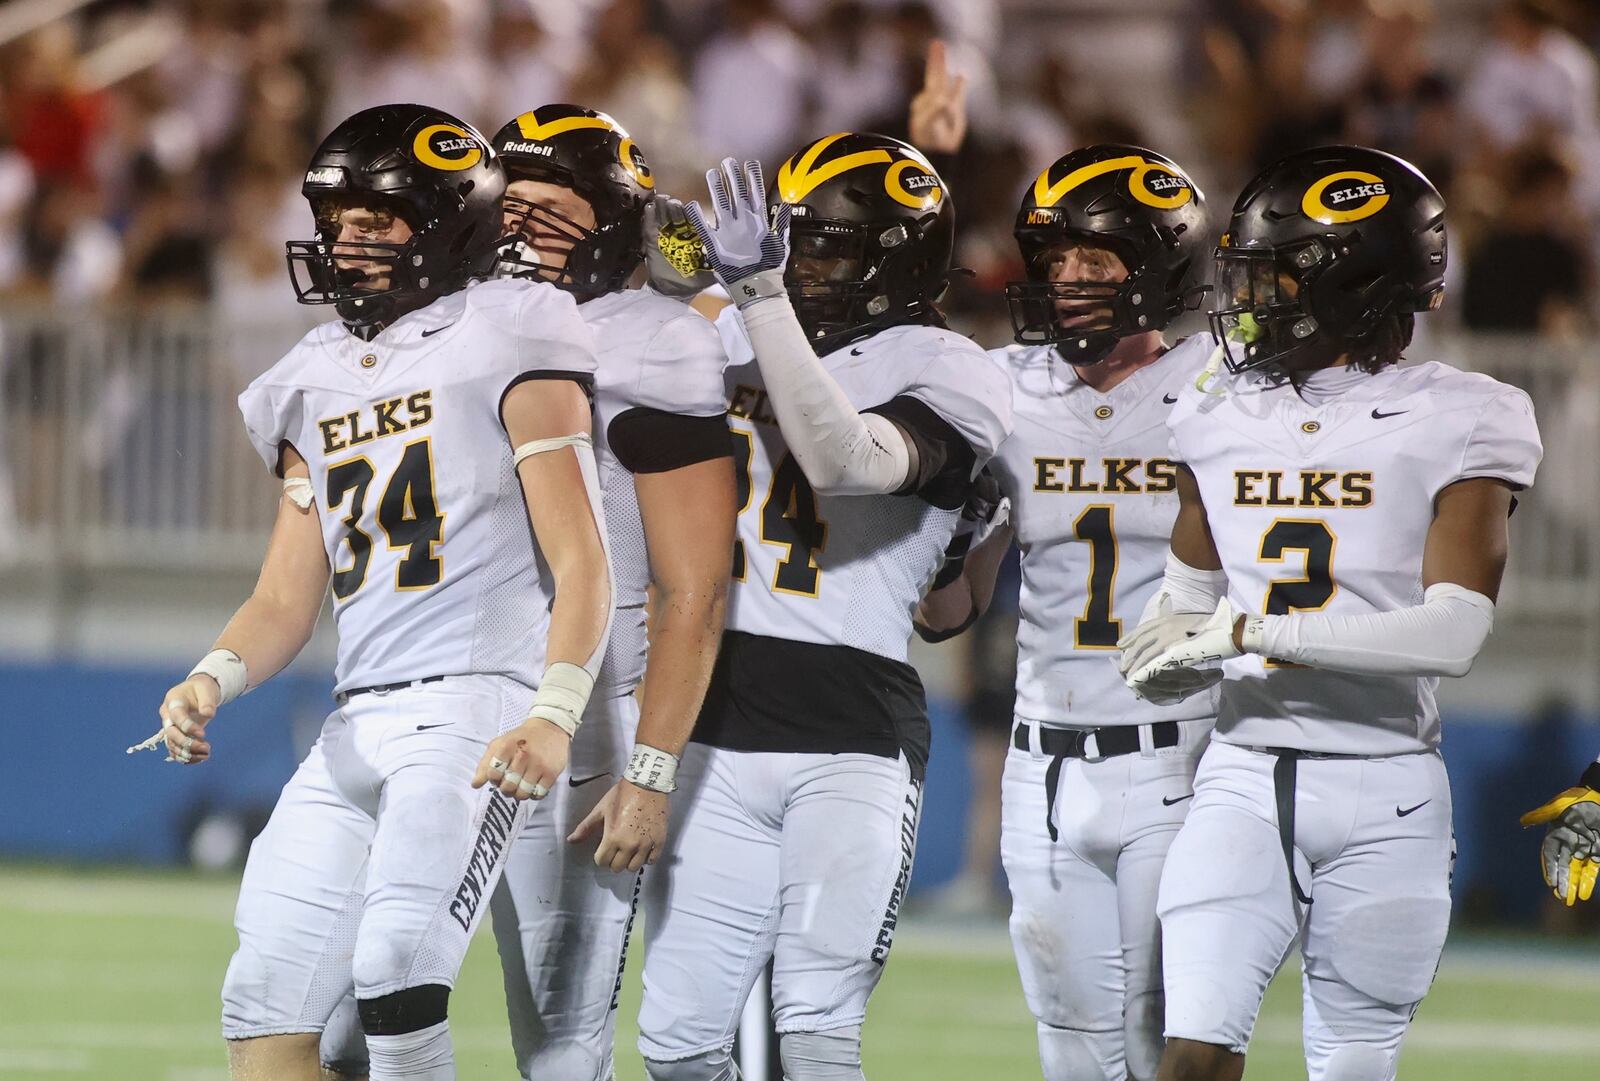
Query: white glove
{"x": 1209, "y": 642}
{"x": 744, "y": 250}
{"x": 1156, "y": 633}
{"x": 673, "y": 255}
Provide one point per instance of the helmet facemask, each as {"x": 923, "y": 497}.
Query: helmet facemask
{"x": 840, "y": 276}
{"x": 369, "y": 280}
{"x": 589, "y": 261}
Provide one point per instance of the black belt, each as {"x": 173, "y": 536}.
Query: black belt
{"x": 1060, "y": 744}
{"x": 1284, "y": 776}
{"x": 382, "y": 688}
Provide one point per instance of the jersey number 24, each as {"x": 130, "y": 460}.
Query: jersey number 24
{"x": 788, "y": 518}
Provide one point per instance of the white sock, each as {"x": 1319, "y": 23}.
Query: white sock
{"x": 423, "y": 1055}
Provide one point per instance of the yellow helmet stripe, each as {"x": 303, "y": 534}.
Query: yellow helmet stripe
{"x": 1046, "y": 194}
{"x": 797, "y": 179}
{"x": 528, "y": 124}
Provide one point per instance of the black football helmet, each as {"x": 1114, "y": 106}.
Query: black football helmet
{"x": 1137, "y": 204}
{"x": 590, "y": 153}
{"x": 1329, "y": 252}
{"x": 871, "y": 231}
{"x": 432, "y": 170}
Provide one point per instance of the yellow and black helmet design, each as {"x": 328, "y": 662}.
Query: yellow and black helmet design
{"x": 431, "y": 169}
{"x": 1327, "y": 250}
{"x": 1134, "y": 202}
{"x": 592, "y": 154}
{"x": 871, "y": 232}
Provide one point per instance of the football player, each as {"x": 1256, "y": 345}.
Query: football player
{"x": 418, "y": 438}
{"x": 859, "y": 424}
{"x": 578, "y": 192}
{"x": 1097, "y": 781}
{"x": 1340, "y": 539}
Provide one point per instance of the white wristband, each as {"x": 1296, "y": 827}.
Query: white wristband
{"x": 1252, "y": 637}
{"x": 562, "y": 696}
{"x": 227, "y": 668}
{"x": 651, "y": 768}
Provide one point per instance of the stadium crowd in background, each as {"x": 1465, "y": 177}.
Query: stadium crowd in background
{"x": 151, "y": 149}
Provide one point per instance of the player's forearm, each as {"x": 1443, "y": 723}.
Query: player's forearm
{"x": 840, "y": 450}
{"x": 955, "y": 603}
{"x": 267, "y": 633}
{"x": 685, "y": 631}
{"x": 1439, "y": 637}
{"x": 580, "y": 617}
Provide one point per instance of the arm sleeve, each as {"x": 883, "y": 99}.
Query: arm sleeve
{"x": 1439, "y": 637}
{"x": 841, "y": 450}
{"x": 1504, "y": 442}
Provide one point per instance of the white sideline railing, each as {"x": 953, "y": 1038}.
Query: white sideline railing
{"x": 121, "y": 448}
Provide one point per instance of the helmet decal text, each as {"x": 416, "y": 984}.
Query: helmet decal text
{"x": 1345, "y": 196}
{"x": 447, "y": 147}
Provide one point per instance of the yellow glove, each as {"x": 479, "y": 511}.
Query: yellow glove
{"x": 1570, "y": 855}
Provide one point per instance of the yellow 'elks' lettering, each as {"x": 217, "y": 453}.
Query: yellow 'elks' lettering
{"x": 750, "y": 403}
{"x": 1113, "y": 476}
{"x": 379, "y": 420}
{"x": 1320, "y": 489}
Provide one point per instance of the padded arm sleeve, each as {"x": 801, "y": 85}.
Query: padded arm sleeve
{"x": 1439, "y": 637}
{"x": 841, "y": 450}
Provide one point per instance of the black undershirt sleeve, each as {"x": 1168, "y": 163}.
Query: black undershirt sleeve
{"x": 654, "y": 441}
{"x": 945, "y": 460}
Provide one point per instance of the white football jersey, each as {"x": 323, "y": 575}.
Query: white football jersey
{"x": 1326, "y": 509}
{"x": 848, "y": 569}
{"x": 1093, "y": 496}
{"x": 434, "y": 567}
{"x": 656, "y": 354}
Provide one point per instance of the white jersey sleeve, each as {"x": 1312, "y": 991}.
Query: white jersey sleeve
{"x": 532, "y": 329}
{"x": 274, "y": 410}
{"x": 968, "y": 389}
{"x": 1504, "y": 442}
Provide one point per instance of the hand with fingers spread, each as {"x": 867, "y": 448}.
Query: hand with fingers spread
{"x": 745, "y": 251}
{"x": 524, "y": 762}
{"x": 673, "y": 255}
{"x": 632, "y": 822}
{"x": 185, "y": 711}
{"x": 939, "y": 110}
{"x": 1570, "y": 854}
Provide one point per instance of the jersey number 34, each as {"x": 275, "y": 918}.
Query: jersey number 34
{"x": 407, "y": 513}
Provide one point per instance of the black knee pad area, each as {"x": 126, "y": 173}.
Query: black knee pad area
{"x": 409, "y": 1010}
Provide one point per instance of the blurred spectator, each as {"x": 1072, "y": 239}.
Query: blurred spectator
{"x": 531, "y": 66}
{"x": 1404, "y": 104}
{"x": 70, "y": 255}
{"x": 16, "y": 196}
{"x": 1528, "y": 271}
{"x": 1533, "y": 80}
{"x": 634, "y": 75}
{"x": 53, "y": 120}
{"x": 403, "y": 50}
{"x": 853, "y": 82}
{"x": 751, "y": 85}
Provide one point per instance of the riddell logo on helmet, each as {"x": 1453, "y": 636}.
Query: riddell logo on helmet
{"x": 527, "y": 148}
{"x": 1345, "y": 196}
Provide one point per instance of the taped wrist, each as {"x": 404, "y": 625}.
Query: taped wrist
{"x": 652, "y": 768}
{"x": 227, "y": 668}
{"x": 1189, "y": 589}
{"x": 562, "y": 695}
{"x": 747, "y": 292}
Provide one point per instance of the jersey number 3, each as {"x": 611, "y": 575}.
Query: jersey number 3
{"x": 410, "y": 518}
{"x": 788, "y": 519}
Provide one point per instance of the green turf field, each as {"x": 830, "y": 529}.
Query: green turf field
{"x": 114, "y": 976}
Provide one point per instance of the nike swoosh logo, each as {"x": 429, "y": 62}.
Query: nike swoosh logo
{"x": 425, "y": 727}
{"x": 855, "y": 352}
{"x": 1165, "y": 802}
{"x": 575, "y": 783}
{"x": 1379, "y": 416}
{"x": 1398, "y": 812}
{"x": 436, "y": 330}
{"x": 1170, "y": 399}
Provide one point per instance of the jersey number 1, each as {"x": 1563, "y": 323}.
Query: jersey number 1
{"x": 788, "y": 518}
{"x": 1097, "y": 628}
{"x": 410, "y": 518}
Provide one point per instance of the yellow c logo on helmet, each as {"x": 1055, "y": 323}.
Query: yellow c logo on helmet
{"x": 919, "y": 191}
{"x": 1345, "y": 196}
{"x": 1168, "y": 190}
{"x": 633, "y": 163}
{"x": 447, "y": 147}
